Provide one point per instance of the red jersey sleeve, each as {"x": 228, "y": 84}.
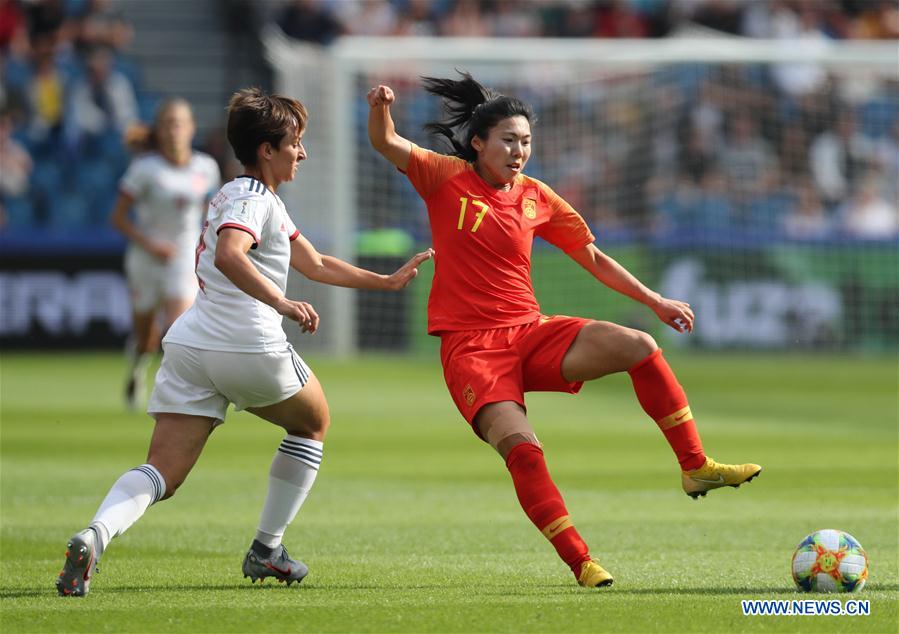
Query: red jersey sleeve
{"x": 427, "y": 170}
{"x": 566, "y": 228}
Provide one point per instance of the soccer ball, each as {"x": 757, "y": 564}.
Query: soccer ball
{"x": 830, "y": 561}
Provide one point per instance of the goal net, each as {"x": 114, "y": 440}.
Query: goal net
{"x": 756, "y": 180}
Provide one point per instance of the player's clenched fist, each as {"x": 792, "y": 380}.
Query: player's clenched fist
{"x": 381, "y": 96}
{"x": 675, "y": 313}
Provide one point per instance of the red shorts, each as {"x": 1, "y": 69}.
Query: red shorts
{"x": 501, "y": 364}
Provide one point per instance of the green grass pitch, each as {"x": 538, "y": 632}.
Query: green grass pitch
{"x": 413, "y": 525}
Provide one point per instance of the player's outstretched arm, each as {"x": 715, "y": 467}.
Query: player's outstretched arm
{"x": 231, "y": 259}
{"x": 334, "y": 271}
{"x": 675, "y": 313}
{"x": 382, "y": 132}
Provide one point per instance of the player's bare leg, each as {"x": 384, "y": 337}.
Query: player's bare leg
{"x": 304, "y": 414}
{"x": 175, "y": 446}
{"x": 603, "y": 348}
{"x": 305, "y": 418}
{"x": 506, "y": 428}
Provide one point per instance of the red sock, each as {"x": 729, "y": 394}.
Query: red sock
{"x": 663, "y": 398}
{"x": 543, "y": 504}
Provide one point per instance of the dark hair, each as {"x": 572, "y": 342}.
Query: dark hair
{"x": 255, "y": 117}
{"x": 473, "y": 110}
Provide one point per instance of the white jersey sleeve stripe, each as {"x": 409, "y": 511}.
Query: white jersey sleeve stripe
{"x": 234, "y": 225}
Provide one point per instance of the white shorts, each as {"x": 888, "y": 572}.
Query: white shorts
{"x": 203, "y": 382}
{"x": 151, "y": 281}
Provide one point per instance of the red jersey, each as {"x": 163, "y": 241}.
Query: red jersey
{"x": 483, "y": 238}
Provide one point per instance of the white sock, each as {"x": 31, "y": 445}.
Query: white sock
{"x": 137, "y": 361}
{"x": 292, "y": 474}
{"x": 126, "y": 501}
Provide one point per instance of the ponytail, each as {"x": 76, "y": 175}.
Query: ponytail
{"x": 137, "y": 138}
{"x": 472, "y": 111}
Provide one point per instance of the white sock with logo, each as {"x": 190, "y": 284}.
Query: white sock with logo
{"x": 291, "y": 476}
{"x": 128, "y": 499}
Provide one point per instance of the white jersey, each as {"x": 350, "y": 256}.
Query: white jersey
{"x": 223, "y": 317}
{"x": 170, "y": 199}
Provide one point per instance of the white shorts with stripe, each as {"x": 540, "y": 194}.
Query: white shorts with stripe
{"x": 203, "y": 382}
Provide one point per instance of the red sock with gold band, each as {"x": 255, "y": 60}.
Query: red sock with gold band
{"x": 663, "y": 398}
{"x": 543, "y": 504}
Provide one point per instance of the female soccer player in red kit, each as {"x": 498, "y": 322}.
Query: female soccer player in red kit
{"x": 495, "y": 344}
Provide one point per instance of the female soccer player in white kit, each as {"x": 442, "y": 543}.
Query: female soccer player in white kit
{"x": 230, "y": 347}
{"x": 168, "y": 188}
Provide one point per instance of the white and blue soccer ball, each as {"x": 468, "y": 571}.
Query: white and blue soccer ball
{"x": 830, "y": 560}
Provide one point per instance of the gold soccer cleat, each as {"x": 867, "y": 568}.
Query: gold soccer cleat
{"x": 593, "y": 575}
{"x": 714, "y": 475}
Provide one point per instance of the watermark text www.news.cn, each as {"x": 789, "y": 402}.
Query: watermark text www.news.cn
{"x": 806, "y": 607}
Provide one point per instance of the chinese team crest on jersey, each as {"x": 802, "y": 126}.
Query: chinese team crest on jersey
{"x": 529, "y": 208}
{"x": 468, "y": 394}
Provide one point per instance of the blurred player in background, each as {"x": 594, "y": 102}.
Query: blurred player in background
{"x": 230, "y": 347}
{"x": 168, "y": 187}
{"x": 495, "y": 344}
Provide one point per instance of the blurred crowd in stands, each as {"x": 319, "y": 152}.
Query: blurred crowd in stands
{"x": 323, "y": 20}
{"x": 68, "y": 96}
{"x": 752, "y": 153}
{"x": 788, "y": 148}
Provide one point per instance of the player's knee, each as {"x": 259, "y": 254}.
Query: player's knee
{"x": 314, "y": 427}
{"x": 525, "y": 457}
{"x": 643, "y": 343}
{"x": 505, "y": 445}
{"x": 626, "y": 345}
{"x": 319, "y": 427}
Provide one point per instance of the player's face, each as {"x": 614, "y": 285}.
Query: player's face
{"x": 176, "y": 129}
{"x": 286, "y": 160}
{"x": 504, "y": 153}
